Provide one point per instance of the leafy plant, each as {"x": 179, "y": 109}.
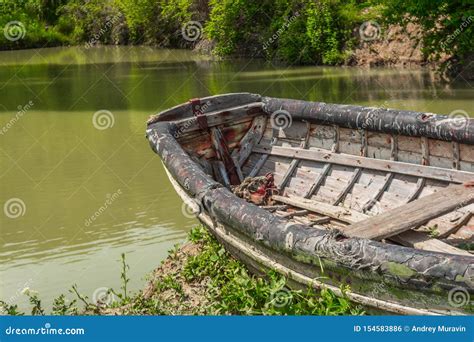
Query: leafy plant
{"x": 232, "y": 290}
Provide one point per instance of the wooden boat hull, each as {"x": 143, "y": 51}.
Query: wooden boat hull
{"x": 387, "y": 277}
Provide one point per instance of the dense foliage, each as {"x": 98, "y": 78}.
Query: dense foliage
{"x": 293, "y": 31}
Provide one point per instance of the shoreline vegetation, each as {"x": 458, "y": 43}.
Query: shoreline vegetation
{"x": 197, "y": 278}
{"x": 302, "y": 32}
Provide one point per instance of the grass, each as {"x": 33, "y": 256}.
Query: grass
{"x": 201, "y": 278}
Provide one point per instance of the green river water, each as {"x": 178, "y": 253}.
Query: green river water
{"x": 59, "y": 166}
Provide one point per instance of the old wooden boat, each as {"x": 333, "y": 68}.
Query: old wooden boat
{"x": 379, "y": 199}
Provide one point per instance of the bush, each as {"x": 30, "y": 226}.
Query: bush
{"x": 24, "y": 20}
{"x": 296, "y": 32}
{"x": 93, "y": 21}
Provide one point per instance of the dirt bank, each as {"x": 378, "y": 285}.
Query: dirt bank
{"x": 167, "y": 287}
{"x": 395, "y": 46}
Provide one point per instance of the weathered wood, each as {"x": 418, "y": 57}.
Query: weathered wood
{"x": 294, "y": 163}
{"x": 413, "y": 214}
{"x": 420, "y": 183}
{"x": 327, "y": 167}
{"x": 456, "y": 156}
{"x": 355, "y": 176}
{"x": 421, "y": 241}
{"x": 415, "y": 124}
{"x": 318, "y": 181}
{"x": 425, "y": 151}
{"x": 223, "y": 154}
{"x": 463, "y": 220}
{"x": 272, "y": 208}
{"x": 238, "y": 169}
{"x": 369, "y": 163}
{"x": 261, "y": 161}
{"x": 217, "y": 118}
{"x": 335, "y": 212}
{"x": 220, "y": 173}
{"x": 386, "y": 183}
{"x": 209, "y": 104}
{"x": 351, "y": 216}
{"x": 364, "y": 144}
{"x": 293, "y": 213}
{"x": 321, "y": 220}
{"x": 335, "y": 146}
{"x": 251, "y": 138}
{"x": 393, "y": 147}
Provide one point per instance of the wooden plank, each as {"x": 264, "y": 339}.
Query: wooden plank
{"x": 260, "y": 162}
{"x": 223, "y": 154}
{"x": 420, "y": 183}
{"x": 327, "y": 167}
{"x": 321, "y": 155}
{"x": 351, "y": 216}
{"x": 388, "y": 177}
{"x": 386, "y": 183}
{"x": 463, "y": 220}
{"x": 293, "y": 213}
{"x": 238, "y": 169}
{"x": 220, "y": 173}
{"x": 420, "y": 241}
{"x": 425, "y": 151}
{"x": 394, "y": 147}
{"x": 251, "y": 138}
{"x": 219, "y": 117}
{"x": 413, "y": 214}
{"x": 294, "y": 163}
{"x": 272, "y": 208}
{"x": 456, "y": 156}
{"x": 335, "y": 212}
{"x": 363, "y": 144}
{"x": 356, "y": 173}
{"x": 337, "y": 133}
{"x": 355, "y": 176}
{"x": 318, "y": 181}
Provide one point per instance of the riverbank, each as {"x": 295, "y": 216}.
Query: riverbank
{"x": 199, "y": 278}
{"x": 364, "y": 33}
